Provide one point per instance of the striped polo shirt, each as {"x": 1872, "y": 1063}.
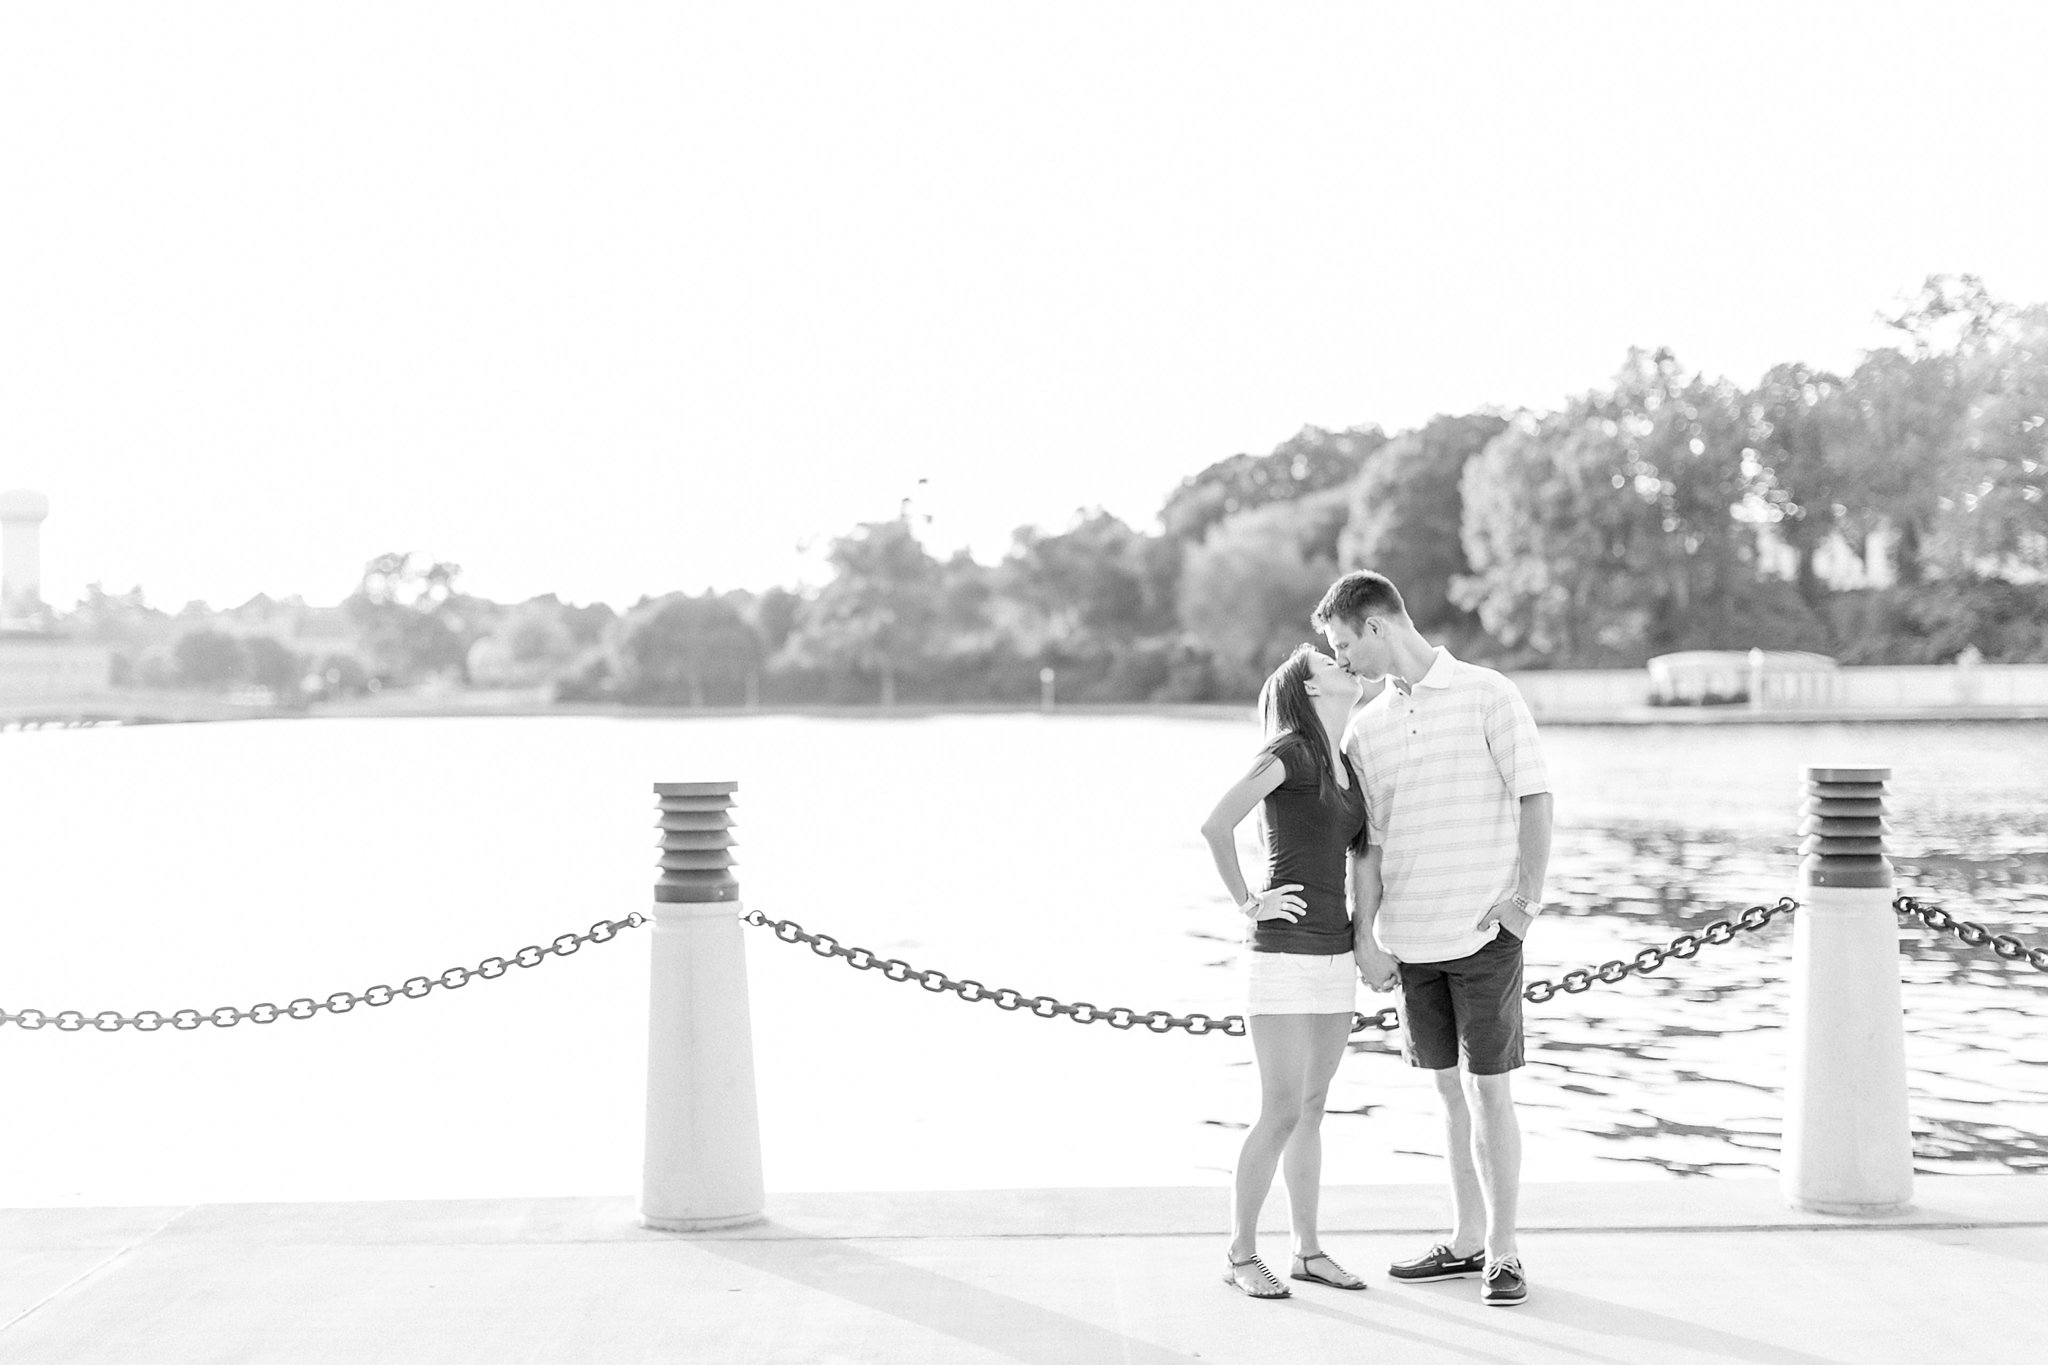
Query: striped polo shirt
{"x": 1444, "y": 767}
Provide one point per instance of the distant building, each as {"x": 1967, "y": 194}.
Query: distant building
{"x": 51, "y": 668}
{"x": 292, "y": 623}
{"x": 21, "y": 557}
{"x": 36, "y": 663}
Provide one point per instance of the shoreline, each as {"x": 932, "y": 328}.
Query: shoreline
{"x": 161, "y": 709}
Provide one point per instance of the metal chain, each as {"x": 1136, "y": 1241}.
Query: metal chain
{"x": 1161, "y": 1021}
{"x": 1003, "y": 997}
{"x": 341, "y": 1002}
{"x": 1650, "y": 959}
{"x": 2007, "y": 946}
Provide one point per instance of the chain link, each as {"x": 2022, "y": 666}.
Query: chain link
{"x": 305, "y": 1007}
{"x": 1160, "y": 1021}
{"x": 2008, "y": 946}
{"x": 1005, "y": 998}
{"x": 1580, "y": 980}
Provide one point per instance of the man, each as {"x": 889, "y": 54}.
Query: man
{"x": 1459, "y": 803}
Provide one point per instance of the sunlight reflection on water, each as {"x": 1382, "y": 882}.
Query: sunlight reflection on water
{"x": 198, "y": 864}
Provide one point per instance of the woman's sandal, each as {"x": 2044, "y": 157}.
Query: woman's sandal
{"x": 1302, "y": 1272}
{"x": 1278, "y": 1290}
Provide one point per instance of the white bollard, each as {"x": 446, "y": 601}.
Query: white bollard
{"x": 703, "y": 1156}
{"x": 1848, "y": 1142}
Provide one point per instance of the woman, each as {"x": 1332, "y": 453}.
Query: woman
{"x": 1301, "y": 987}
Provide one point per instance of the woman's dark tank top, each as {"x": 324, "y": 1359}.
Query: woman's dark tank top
{"x": 1309, "y": 844}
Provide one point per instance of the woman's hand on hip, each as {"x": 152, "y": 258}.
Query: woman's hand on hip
{"x": 1279, "y": 902}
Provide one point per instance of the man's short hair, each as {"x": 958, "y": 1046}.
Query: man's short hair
{"x": 1355, "y": 596}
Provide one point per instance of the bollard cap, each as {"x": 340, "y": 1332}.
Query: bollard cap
{"x": 1852, "y": 827}
{"x": 1854, "y": 791}
{"x": 1845, "y": 807}
{"x": 696, "y": 858}
{"x": 1858, "y": 775}
{"x": 1852, "y": 870}
{"x": 1844, "y": 828}
{"x": 1834, "y": 845}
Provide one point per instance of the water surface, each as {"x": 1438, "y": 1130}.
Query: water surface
{"x": 199, "y": 865}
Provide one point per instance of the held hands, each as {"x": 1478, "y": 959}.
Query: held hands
{"x": 1279, "y": 903}
{"x": 1376, "y": 967}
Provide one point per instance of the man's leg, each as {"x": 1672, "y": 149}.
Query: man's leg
{"x": 1487, "y": 989}
{"x": 1469, "y": 1204}
{"x": 1496, "y": 1152}
{"x": 1429, "y": 1039}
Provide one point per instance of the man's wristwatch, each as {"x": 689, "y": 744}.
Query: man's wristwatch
{"x": 1523, "y": 903}
{"x": 1251, "y": 902}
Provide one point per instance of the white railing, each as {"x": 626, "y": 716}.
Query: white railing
{"x": 1563, "y": 694}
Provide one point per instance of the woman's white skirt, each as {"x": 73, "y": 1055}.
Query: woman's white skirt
{"x": 1301, "y": 983}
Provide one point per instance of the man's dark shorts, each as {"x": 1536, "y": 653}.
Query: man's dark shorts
{"x": 1467, "y": 1010}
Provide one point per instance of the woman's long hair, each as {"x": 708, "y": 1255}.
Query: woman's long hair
{"x": 1288, "y": 716}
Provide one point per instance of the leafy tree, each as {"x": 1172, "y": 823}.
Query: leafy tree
{"x": 408, "y": 579}
{"x": 529, "y": 645}
{"x": 1096, "y": 601}
{"x": 341, "y": 674}
{"x": 1801, "y": 434}
{"x": 129, "y": 626}
{"x": 1603, "y": 531}
{"x": 1913, "y": 403}
{"x": 586, "y": 625}
{"x": 877, "y": 615}
{"x": 1307, "y": 462}
{"x": 155, "y": 666}
{"x": 1319, "y": 520}
{"x": 1905, "y": 439}
{"x": 1684, "y": 442}
{"x": 1407, "y": 512}
{"x": 117, "y": 618}
{"x": 409, "y": 618}
{"x": 962, "y": 624}
{"x": 210, "y": 659}
{"x": 1247, "y": 591}
{"x": 1082, "y": 590}
{"x": 974, "y": 653}
{"x": 687, "y": 649}
{"x": 271, "y": 664}
{"x": 1554, "y": 533}
{"x": 1933, "y": 623}
{"x": 774, "y": 615}
{"x": 1994, "y": 519}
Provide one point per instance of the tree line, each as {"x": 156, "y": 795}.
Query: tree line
{"x": 1897, "y": 513}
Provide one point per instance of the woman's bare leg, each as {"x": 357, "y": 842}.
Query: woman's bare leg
{"x": 1281, "y": 1045}
{"x": 1301, "y": 1164}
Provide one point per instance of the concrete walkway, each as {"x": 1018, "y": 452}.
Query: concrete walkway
{"x": 1686, "y": 1271}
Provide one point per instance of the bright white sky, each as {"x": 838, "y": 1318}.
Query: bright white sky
{"x": 611, "y": 300}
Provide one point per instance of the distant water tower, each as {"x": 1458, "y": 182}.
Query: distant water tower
{"x": 21, "y": 553}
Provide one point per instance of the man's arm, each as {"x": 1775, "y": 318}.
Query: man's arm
{"x": 1533, "y": 860}
{"x": 1376, "y": 966}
